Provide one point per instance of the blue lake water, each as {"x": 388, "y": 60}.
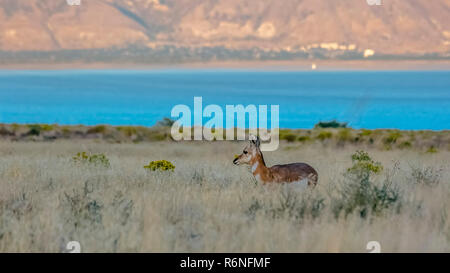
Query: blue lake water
{"x": 365, "y": 99}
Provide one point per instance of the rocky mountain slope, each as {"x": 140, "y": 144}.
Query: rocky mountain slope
{"x": 225, "y": 29}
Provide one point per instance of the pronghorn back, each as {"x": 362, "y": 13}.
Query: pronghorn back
{"x": 294, "y": 172}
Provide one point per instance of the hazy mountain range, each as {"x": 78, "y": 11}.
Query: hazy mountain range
{"x": 190, "y": 30}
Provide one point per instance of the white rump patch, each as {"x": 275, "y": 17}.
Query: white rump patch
{"x": 300, "y": 184}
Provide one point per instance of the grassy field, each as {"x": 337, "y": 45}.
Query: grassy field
{"x": 209, "y": 205}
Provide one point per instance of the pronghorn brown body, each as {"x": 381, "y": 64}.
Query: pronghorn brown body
{"x": 288, "y": 173}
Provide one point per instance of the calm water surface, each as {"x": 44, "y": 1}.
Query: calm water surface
{"x": 383, "y": 99}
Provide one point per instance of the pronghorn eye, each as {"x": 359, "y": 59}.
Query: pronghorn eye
{"x": 245, "y": 152}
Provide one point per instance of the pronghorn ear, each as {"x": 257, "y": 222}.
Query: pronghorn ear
{"x": 254, "y": 140}
{"x": 257, "y": 142}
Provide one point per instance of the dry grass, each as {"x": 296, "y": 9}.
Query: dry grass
{"x": 209, "y": 205}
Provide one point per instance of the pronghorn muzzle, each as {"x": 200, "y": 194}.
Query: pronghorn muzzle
{"x": 235, "y": 161}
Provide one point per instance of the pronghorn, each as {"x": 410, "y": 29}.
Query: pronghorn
{"x": 288, "y": 173}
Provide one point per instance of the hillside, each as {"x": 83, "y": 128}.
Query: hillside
{"x": 183, "y": 30}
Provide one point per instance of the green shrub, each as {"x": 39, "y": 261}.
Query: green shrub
{"x": 304, "y": 138}
{"x": 405, "y": 145}
{"x": 159, "y": 137}
{"x": 127, "y": 130}
{"x": 35, "y": 129}
{"x": 364, "y": 165}
{"x": 165, "y": 122}
{"x": 331, "y": 124}
{"x": 344, "y": 135}
{"x": 359, "y": 193}
{"x": 47, "y": 127}
{"x": 92, "y": 159}
{"x": 160, "y": 165}
{"x": 392, "y": 138}
{"x": 324, "y": 135}
{"x": 365, "y": 132}
{"x": 432, "y": 150}
{"x": 289, "y": 137}
{"x": 99, "y": 129}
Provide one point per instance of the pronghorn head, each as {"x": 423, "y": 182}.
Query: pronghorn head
{"x": 249, "y": 153}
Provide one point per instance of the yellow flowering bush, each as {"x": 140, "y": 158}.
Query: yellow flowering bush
{"x": 160, "y": 165}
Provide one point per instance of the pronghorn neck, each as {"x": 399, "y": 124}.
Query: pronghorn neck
{"x": 259, "y": 168}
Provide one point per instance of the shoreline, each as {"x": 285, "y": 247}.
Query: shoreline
{"x": 427, "y": 141}
{"x": 157, "y": 127}
{"x": 301, "y": 65}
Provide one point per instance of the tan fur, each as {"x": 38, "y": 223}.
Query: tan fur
{"x": 287, "y": 173}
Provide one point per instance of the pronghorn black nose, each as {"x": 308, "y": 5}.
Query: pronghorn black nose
{"x": 235, "y": 161}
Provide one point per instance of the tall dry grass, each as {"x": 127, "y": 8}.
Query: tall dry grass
{"x": 209, "y": 205}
